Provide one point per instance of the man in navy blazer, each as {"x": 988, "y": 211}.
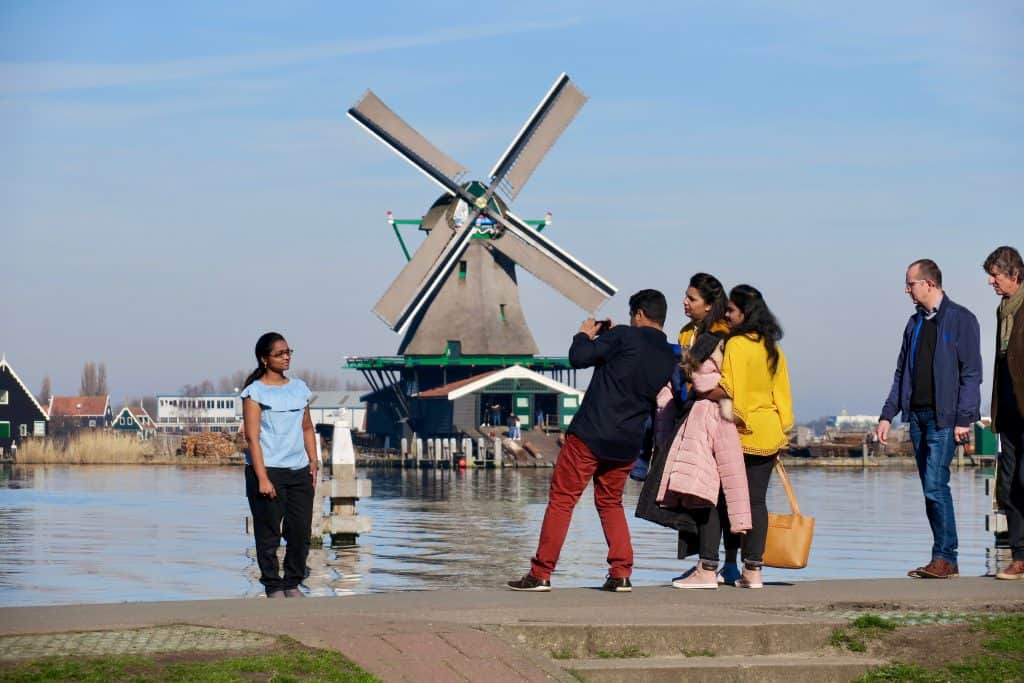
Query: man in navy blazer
{"x": 937, "y": 389}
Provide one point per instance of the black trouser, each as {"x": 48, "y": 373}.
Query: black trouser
{"x": 293, "y": 507}
{"x": 1010, "y": 481}
{"x": 710, "y": 522}
{"x": 759, "y": 473}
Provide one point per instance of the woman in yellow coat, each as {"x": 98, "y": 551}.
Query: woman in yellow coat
{"x": 755, "y": 377}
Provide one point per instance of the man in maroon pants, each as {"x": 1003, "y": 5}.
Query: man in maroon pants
{"x": 631, "y": 364}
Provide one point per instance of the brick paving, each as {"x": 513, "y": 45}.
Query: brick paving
{"x": 181, "y": 638}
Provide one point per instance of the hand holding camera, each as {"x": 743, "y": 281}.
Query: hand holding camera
{"x": 592, "y": 328}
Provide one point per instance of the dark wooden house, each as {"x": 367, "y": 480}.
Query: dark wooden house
{"x": 73, "y": 413}
{"x": 21, "y": 415}
{"x": 134, "y": 419}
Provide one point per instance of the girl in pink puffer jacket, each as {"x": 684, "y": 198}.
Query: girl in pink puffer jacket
{"x": 705, "y": 460}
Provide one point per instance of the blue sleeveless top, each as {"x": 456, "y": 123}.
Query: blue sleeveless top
{"x": 281, "y": 411}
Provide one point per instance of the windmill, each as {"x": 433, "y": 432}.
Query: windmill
{"x": 458, "y": 293}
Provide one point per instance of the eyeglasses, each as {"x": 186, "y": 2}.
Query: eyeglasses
{"x": 283, "y": 353}
{"x": 910, "y": 285}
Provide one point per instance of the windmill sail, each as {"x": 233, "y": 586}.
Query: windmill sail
{"x": 396, "y": 299}
{"x": 550, "y": 263}
{"x": 538, "y": 135}
{"x": 377, "y": 118}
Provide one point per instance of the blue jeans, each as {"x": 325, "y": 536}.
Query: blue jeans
{"x": 933, "y": 449}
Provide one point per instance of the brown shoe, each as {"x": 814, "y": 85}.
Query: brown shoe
{"x": 936, "y": 569}
{"x": 916, "y": 573}
{"x": 1015, "y": 570}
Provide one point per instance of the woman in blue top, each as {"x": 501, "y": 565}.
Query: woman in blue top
{"x": 281, "y": 465}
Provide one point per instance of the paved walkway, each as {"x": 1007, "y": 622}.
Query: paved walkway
{"x": 465, "y": 635}
{"x": 139, "y": 641}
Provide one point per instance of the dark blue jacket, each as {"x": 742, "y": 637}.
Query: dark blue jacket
{"x": 631, "y": 365}
{"x": 956, "y": 368}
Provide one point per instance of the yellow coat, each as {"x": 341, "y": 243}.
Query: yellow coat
{"x": 761, "y": 401}
{"x": 689, "y": 331}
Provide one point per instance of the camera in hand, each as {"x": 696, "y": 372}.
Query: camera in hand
{"x": 604, "y": 325}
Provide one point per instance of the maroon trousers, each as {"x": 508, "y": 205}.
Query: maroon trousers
{"x": 575, "y": 468}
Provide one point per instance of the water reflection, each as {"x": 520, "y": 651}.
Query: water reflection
{"x": 103, "y": 534}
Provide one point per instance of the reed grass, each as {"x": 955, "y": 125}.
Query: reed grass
{"x": 95, "y": 448}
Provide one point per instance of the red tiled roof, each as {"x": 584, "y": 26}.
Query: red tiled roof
{"x": 442, "y": 392}
{"x": 138, "y": 411}
{"x": 78, "y": 406}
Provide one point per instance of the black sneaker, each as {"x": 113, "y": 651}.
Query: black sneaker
{"x": 529, "y": 582}
{"x": 620, "y": 585}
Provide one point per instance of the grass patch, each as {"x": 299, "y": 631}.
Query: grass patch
{"x": 577, "y": 675}
{"x": 85, "y": 448}
{"x": 99, "y": 447}
{"x": 1003, "y": 659}
{"x": 699, "y": 653}
{"x": 872, "y": 621}
{"x": 846, "y": 641}
{"x": 289, "y": 662}
{"x": 866, "y": 627}
{"x": 564, "y": 653}
{"x": 624, "y": 653}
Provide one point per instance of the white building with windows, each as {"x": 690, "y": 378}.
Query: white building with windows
{"x": 844, "y": 421}
{"x": 180, "y": 414}
{"x": 327, "y": 407}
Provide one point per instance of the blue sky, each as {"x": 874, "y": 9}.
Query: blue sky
{"x": 175, "y": 181}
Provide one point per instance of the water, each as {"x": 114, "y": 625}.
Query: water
{"x": 76, "y": 534}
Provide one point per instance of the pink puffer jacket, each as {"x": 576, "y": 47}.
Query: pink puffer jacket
{"x": 706, "y": 455}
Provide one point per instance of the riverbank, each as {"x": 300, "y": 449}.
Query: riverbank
{"x": 784, "y": 632}
{"x": 112, "y": 448}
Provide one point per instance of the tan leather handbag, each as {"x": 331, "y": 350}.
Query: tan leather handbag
{"x": 789, "y": 536}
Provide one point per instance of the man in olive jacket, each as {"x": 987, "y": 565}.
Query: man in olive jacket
{"x": 1005, "y": 270}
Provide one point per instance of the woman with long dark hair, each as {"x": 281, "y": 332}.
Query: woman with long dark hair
{"x": 755, "y": 377}
{"x": 704, "y": 304}
{"x": 281, "y": 465}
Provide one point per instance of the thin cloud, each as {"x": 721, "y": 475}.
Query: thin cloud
{"x": 29, "y": 78}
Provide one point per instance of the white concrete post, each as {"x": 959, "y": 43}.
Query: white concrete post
{"x": 405, "y": 447}
{"x": 498, "y": 460}
{"x": 481, "y": 451}
{"x": 343, "y": 453}
{"x": 343, "y": 522}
